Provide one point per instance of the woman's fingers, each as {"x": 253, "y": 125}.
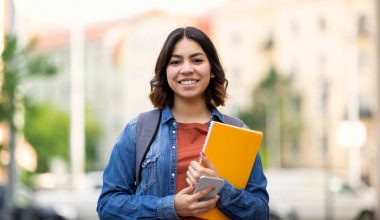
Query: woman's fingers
{"x": 196, "y": 170}
{"x": 188, "y": 204}
{"x": 193, "y": 172}
{"x": 202, "y": 193}
{"x": 206, "y": 205}
{"x": 187, "y": 190}
{"x": 211, "y": 203}
{"x": 190, "y": 179}
{"x": 207, "y": 162}
{"x": 196, "y": 166}
{"x": 189, "y": 182}
{"x": 192, "y": 175}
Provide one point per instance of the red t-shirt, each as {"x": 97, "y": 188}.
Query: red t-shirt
{"x": 190, "y": 139}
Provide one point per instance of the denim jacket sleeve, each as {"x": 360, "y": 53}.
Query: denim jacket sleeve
{"x": 118, "y": 199}
{"x": 250, "y": 203}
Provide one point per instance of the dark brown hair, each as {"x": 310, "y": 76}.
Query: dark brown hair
{"x": 162, "y": 95}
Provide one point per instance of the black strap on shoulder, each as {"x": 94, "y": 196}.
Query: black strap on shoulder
{"x": 147, "y": 128}
{"x": 232, "y": 121}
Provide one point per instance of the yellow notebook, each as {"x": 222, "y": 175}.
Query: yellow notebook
{"x": 232, "y": 150}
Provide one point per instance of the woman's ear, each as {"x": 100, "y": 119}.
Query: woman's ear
{"x": 212, "y": 75}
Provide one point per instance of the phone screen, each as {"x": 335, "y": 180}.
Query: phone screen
{"x": 206, "y": 182}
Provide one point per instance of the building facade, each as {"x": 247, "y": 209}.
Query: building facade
{"x": 321, "y": 44}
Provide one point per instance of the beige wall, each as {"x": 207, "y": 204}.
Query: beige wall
{"x": 312, "y": 53}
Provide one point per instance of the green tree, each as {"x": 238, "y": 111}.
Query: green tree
{"x": 47, "y": 129}
{"x": 18, "y": 63}
{"x": 275, "y": 110}
{"x": 15, "y": 64}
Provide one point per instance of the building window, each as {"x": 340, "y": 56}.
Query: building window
{"x": 269, "y": 42}
{"x": 362, "y": 61}
{"x": 294, "y": 69}
{"x": 363, "y": 26}
{"x": 235, "y": 38}
{"x": 324, "y": 147}
{"x": 321, "y": 64}
{"x": 322, "y": 70}
{"x": 365, "y": 110}
{"x": 236, "y": 72}
{"x": 294, "y": 27}
{"x": 322, "y": 24}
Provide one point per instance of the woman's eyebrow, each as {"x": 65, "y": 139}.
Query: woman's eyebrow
{"x": 192, "y": 55}
{"x": 197, "y": 54}
{"x": 176, "y": 56}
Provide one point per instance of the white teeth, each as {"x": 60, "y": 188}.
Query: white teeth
{"x": 187, "y": 82}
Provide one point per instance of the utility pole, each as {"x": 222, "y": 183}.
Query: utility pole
{"x": 353, "y": 104}
{"x": 2, "y": 27}
{"x": 325, "y": 147}
{"x": 12, "y": 171}
{"x": 77, "y": 137}
{"x": 351, "y": 133}
{"x": 377, "y": 35}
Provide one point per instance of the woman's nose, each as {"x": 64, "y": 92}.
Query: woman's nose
{"x": 187, "y": 68}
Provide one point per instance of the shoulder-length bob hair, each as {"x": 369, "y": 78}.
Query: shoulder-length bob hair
{"x": 162, "y": 95}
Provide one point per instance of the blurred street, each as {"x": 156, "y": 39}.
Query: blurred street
{"x": 305, "y": 73}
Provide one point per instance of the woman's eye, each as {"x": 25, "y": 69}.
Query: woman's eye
{"x": 174, "y": 62}
{"x": 198, "y": 61}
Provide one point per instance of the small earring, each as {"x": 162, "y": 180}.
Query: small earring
{"x": 212, "y": 76}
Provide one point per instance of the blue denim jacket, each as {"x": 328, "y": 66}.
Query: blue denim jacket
{"x": 154, "y": 196}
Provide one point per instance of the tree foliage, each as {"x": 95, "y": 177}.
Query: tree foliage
{"x": 46, "y": 126}
{"x": 275, "y": 106}
{"x": 16, "y": 63}
{"x": 47, "y": 129}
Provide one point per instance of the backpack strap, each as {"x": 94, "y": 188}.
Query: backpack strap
{"x": 232, "y": 121}
{"x": 147, "y": 127}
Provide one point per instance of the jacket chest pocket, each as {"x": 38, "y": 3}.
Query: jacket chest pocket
{"x": 149, "y": 171}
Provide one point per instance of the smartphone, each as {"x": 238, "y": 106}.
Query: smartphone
{"x": 205, "y": 182}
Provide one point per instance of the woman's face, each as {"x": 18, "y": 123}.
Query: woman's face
{"x": 188, "y": 71}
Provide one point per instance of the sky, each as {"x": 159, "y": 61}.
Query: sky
{"x": 62, "y": 12}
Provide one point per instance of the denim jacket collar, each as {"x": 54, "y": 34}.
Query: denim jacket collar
{"x": 167, "y": 115}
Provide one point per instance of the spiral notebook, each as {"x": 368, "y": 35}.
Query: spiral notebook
{"x": 232, "y": 150}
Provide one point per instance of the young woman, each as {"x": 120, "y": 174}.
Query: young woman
{"x": 189, "y": 83}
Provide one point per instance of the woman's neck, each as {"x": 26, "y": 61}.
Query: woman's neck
{"x": 190, "y": 112}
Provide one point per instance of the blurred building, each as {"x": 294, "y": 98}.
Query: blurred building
{"x": 119, "y": 64}
{"x": 318, "y": 43}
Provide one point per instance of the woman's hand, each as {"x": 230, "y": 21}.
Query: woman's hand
{"x": 187, "y": 204}
{"x": 196, "y": 170}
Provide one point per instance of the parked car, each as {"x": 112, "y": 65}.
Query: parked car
{"x": 76, "y": 204}
{"x": 26, "y": 207}
{"x": 315, "y": 194}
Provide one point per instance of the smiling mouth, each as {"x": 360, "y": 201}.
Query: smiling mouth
{"x": 188, "y": 82}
